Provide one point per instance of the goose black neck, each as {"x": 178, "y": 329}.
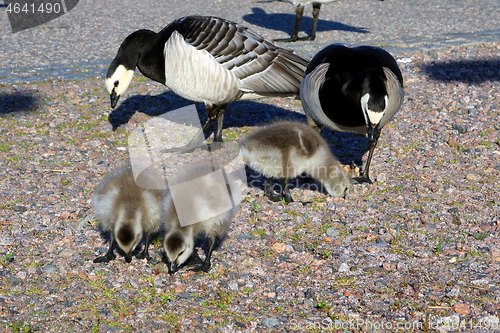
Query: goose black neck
{"x": 373, "y": 83}
{"x": 143, "y": 49}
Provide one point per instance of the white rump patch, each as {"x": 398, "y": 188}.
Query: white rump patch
{"x": 123, "y": 76}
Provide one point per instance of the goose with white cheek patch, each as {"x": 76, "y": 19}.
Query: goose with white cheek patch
{"x": 285, "y": 150}
{"x": 210, "y": 60}
{"x": 128, "y": 211}
{"x": 205, "y": 203}
{"x": 353, "y": 90}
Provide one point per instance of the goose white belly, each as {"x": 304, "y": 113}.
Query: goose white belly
{"x": 213, "y": 84}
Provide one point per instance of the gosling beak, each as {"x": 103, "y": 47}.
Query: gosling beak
{"x": 128, "y": 257}
{"x": 114, "y": 98}
{"x": 172, "y": 268}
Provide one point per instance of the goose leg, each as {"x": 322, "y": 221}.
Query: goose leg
{"x": 316, "y": 9}
{"x": 286, "y": 186}
{"x": 145, "y": 252}
{"x": 109, "y": 255}
{"x": 205, "y": 267}
{"x": 299, "y": 11}
{"x": 217, "y": 143}
{"x": 269, "y": 191}
{"x": 194, "y": 260}
{"x": 365, "y": 175}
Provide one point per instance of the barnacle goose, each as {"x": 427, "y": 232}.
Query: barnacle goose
{"x": 207, "y": 59}
{"x": 353, "y": 90}
{"x": 286, "y": 149}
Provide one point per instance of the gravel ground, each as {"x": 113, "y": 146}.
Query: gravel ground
{"x": 417, "y": 249}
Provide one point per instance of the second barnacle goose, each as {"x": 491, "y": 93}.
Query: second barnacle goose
{"x": 207, "y": 59}
{"x": 353, "y": 90}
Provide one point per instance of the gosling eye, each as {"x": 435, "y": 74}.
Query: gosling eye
{"x": 116, "y": 83}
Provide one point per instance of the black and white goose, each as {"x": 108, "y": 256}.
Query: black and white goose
{"x": 353, "y": 90}
{"x": 210, "y": 60}
{"x": 299, "y": 11}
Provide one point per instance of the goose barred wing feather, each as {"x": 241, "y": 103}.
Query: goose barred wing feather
{"x": 261, "y": 66}
{"x": 395, "y": 94}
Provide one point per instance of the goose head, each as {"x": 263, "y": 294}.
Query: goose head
{"x": 374, "y": 101}
{"x": 121, "y": 70}
{"x": 178, "y": 249}
{"x": 128, "y": 232}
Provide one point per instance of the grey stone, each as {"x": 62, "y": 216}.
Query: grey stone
{"x": 6, "y": 240}
{"x": 343, "y": 267}
{"x": 332, "y": 232}
{"x": 20, "y": 208}
{"x": 184, "y": 295}
{"x": 271, "y": 322}
{"x": 49, "y": 269}
{"x": 244, "y": 236}
{"x": 14, "y": 281}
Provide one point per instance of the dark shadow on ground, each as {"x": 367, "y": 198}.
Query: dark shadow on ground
{"x": 285, "y": 22}
{"x": 468, "y": 71}
{"x": 17, "y": 101}
{"x": 238, "y": 114}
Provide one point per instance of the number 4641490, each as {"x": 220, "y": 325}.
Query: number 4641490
{"x": 32, "y": 9}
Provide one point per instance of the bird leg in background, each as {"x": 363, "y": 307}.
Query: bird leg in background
{"x": 299, "y": 11}
{"x": 316, "y": 9}
{"x": 110, "y": 255}
{"x": 205, "y": 267}
{"x": 365, "y": 175}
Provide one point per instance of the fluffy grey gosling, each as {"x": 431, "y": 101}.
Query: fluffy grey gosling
{"x": 127, "y": 211}
{"x": 287, "y": 149}
{"x": 200, "y": 200}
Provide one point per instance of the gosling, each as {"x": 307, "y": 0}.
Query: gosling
{"x": 285, "y": 150}
{"x": 203, "y": 199}
{"x": 128, "y": 211}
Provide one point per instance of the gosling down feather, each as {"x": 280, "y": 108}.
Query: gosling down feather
{"x": 353, "y": 90}
{"x": 210, "y": 60}
{"x": 127, "y": 211}
{"x": 285, "y": 150}
{"x": 205, "y": 203}
{"x": 299, "y": 11}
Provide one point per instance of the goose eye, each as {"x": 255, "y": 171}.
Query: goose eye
{"x": 116, "y": 83}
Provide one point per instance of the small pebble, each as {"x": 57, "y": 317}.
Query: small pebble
{"x": 332, "y": 232}
{"x": 343, "y": 268}
{"x": 14, "y": 281}
{"x": 271, "y": 322}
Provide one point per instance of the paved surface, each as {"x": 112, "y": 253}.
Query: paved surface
{"x": 82, "y": 43}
